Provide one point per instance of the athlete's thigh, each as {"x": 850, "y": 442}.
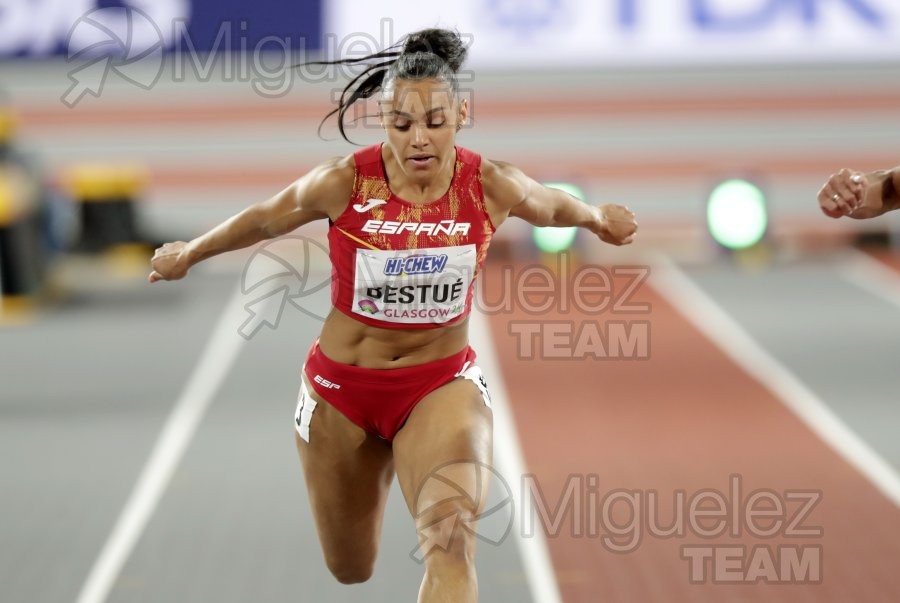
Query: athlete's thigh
{"x": 448, "y": 434}
{"x": 348, "y": 475}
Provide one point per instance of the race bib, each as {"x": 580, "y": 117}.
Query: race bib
{"x": 413, "y": 286}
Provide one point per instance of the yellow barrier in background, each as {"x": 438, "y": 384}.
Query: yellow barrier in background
{"x": 105, "y": 195}
{"x": 21, "y": 248}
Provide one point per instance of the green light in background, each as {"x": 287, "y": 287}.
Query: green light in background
{"x": 736, "y": 214}
{"x": 552, "y": 239}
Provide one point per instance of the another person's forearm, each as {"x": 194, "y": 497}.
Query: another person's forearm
{"x": 890, "y": 189}
{"x": 860, "y": 195}
{"x": 881, "y": 194}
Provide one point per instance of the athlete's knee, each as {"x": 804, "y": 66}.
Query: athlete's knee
{"x": 447, "y": 533}
{"x": 350, "y": 571}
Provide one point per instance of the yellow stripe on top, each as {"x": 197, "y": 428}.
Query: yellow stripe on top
{"x": 360, "y": 241}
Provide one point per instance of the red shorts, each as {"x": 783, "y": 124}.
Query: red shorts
{"x": 379, "y": 400}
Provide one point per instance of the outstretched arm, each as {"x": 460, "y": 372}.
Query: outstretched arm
{"x": 509, "y": 192}
{"x": 321, "y": 193}
{"x": 860, "y": 195}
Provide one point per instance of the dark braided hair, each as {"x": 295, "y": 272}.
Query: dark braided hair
{"x": 425, "y": 54}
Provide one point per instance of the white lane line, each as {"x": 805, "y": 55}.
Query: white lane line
{"x": 872, "y": 276}
{"x": 701, "y": 311}
{"x": 510, "y": 464}
{"x": 217, "y": 358}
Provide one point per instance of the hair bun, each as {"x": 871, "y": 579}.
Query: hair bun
{"x": 445, "y": 43}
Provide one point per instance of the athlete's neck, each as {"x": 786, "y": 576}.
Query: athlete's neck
{"x": 405, "y": 184}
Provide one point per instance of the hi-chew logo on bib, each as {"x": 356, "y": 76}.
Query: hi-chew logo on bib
{"x": 416, "y": 264}
{"x": 414, "y": 286}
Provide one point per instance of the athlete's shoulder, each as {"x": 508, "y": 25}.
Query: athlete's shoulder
{"x": 494, "y": 168}
{"x": 336, "y": 171}
{"x": 503, "y": 182}
{"x": 327, "y": 186}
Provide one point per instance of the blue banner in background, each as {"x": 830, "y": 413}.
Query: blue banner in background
{"x": 512, "y": 34}
{"x": 41, "y": 28}
{"x": 294, "y": 24}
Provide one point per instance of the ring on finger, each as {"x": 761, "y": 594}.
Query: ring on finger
{"x": 835, "y": 197}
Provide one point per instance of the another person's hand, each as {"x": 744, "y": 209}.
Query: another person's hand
{"x": 169, "y": 262}
{"x": 617, "y": 224}
{"x": 844, "y": 194}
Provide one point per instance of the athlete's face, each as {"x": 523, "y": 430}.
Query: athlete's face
{"x": 421, "y": 118}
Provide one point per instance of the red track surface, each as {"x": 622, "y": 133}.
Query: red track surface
{"x": 684, "y": 419}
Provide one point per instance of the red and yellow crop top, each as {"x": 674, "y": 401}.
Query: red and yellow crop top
{"x": 403, "y": 265}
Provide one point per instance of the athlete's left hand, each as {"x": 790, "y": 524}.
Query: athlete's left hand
{"x": 617, "y": 224}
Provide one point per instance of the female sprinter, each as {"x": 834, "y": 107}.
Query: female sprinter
{"x": 390, "y": 386}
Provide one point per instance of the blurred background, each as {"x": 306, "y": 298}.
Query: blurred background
{"x": 145, "y": 430}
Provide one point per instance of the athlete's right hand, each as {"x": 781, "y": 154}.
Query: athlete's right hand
{"x": 169, "y": 262}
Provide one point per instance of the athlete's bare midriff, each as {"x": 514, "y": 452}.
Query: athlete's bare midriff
{"x": 349, "y": 341}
